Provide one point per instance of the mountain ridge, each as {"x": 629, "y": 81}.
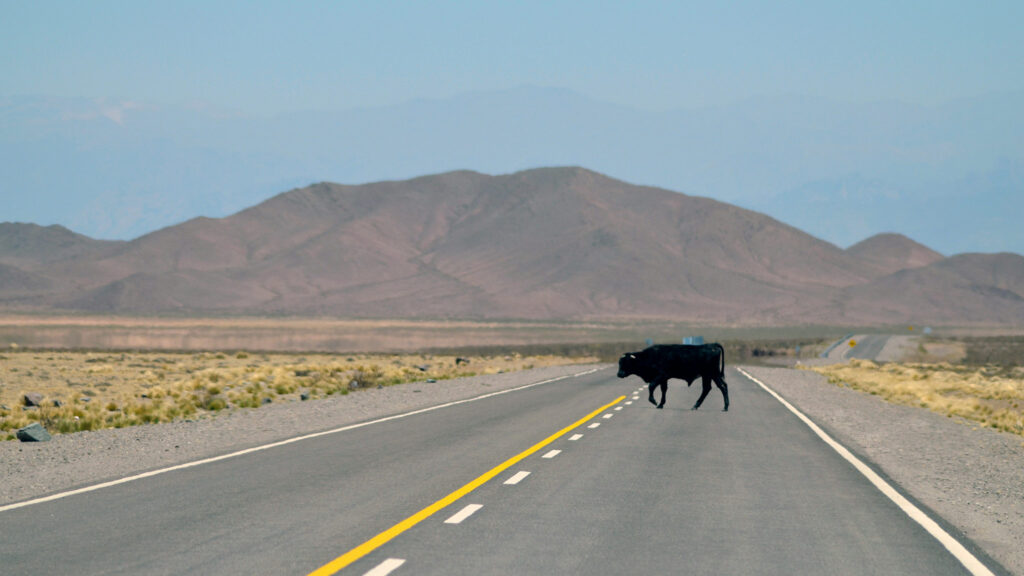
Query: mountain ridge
{"x": 828, "y": 167}
{"x": 891, "y": 252}
{"x": 552, "y": 243}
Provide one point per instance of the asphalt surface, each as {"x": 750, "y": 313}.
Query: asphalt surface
{"x": 868, "y": 347}
{"x": 749, "y": 491}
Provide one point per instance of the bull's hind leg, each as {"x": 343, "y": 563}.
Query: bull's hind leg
{"x": 720, "y": 382}
{"x": 650, "y": 392}
{"x": 705, "y": 388}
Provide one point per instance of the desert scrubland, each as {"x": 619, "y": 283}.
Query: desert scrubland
{"x": 93, "y": 390}
{"x": 82, "y": 382}
{"x": 980, "y": 379}
{"x": 112, "y": 372}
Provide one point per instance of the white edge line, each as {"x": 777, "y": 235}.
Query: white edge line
{"x": 461, "y": 515}
{"x": 386, "y": 567}
{"x": 151, "y": 473}
{"x": 964, "y": 556}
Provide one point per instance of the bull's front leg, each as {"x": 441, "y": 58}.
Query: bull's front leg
{"x": 663, "y": 384}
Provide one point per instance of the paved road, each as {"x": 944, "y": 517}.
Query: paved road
{"x": 868, "y": 347}
{"x": 648, "y": 491}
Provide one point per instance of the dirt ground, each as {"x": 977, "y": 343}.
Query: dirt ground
{"x": 354, "y": 335}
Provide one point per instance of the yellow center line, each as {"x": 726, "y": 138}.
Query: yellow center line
{"x": 386, "y": 536}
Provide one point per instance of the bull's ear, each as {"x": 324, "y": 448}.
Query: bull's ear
{"x": 633, "y": 356}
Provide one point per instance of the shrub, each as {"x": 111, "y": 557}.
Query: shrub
{"x": 215, "y": 403}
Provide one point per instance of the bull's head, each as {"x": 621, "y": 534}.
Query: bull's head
{"x": 626, "y": 365}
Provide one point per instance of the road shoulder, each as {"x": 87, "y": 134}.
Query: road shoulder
{"x": 31, "y": 470}
{"x": 973, "y": 478}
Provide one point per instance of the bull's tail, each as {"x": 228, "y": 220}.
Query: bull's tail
{"x": 721, "y": 360}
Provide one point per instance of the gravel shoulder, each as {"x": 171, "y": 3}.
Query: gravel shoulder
{"x": 31, "y": 470}
{"x": 972, "y": 477}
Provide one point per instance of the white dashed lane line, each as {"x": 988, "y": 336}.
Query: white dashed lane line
{"x": 461, "y": 515}
{"x": 391, "y": 564}
{"x": 390, "y": 534}
{"x": 517, "y": 478}
{"x": 386, "y": 567}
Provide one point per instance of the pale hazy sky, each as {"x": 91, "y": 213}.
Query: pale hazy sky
{"x": 273, "y": 57}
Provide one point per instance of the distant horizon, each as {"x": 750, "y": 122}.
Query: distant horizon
{"x": 843, "y": 120}
{"x": 841, "y": 246}
{"x": 278, "y": 57}
{"x": 228, "y": 109}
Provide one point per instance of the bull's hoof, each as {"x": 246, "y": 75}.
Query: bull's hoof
{"x": 726, "y": 409}
{"x": 695, "y": 407}
{"x": 651, "y": 400}
{"x": 660, "y": 406}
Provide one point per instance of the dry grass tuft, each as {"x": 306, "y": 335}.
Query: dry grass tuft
{"x": 104, "y": 390}
{"x": 992, "y": 396}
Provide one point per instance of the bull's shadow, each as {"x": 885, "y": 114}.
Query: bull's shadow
{"x": 656, "y": 365}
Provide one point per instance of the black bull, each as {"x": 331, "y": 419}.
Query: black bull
{"x": 656, "y": 364}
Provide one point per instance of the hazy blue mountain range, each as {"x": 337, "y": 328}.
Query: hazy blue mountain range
{"x": 950, "y": 176}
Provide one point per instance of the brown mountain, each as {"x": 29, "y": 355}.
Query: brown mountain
{"x": 983, "y": 288}
{"x": 30, "y": 246}
{"x": 15, "y": 282}
{"x": 889, "y": 253}
{"x": 545, "y": 243}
